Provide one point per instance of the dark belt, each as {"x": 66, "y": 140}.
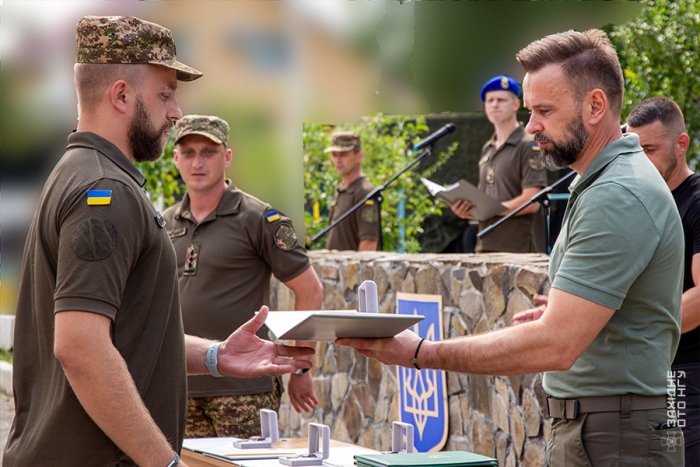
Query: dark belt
{"x": 569, "y": 409}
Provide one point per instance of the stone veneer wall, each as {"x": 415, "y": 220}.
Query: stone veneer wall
{"x": 498, "y": 416}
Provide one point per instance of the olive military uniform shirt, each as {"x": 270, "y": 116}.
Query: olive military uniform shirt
{"x": 621, "y": 246}
{"x": 112, "y": 259}
{"x": 224, "y": 265}
{"x": 363, "y": 224}
{"x": 503, "y": 174}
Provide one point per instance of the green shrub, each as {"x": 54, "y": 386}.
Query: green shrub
{"x": 660, "y": 56}
{"x": 161, "y": 176}
{"x": 387, "y": 142}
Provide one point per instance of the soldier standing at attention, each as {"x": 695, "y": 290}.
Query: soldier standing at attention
{"x": 511, "y": 171}
{"x": 228, "y": 243}
{"x": 100, "y": 361}
{"x": 360, "y": 231}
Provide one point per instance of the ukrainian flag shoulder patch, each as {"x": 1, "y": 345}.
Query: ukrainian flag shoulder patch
{"x": 369, "y": 202}
{"x": 535, "y": 147}
{"x": 272, "y": 216}
{"x": 99, "y": 197}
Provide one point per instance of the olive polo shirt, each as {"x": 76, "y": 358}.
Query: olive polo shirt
{"x": 113, "y": 259}
{"x": 363, "y": 224}
{"x": 503, "y": 174}
{"x": 621, "y": 246}
{"x": 224, "y": 264}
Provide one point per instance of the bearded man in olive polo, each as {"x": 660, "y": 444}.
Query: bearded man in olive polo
{"x": 228, "y": 243}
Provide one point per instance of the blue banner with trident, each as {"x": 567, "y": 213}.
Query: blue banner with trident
{"x": 423, "y": 394}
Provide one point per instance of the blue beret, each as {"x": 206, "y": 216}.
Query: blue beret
{"x": 500, "y": 83}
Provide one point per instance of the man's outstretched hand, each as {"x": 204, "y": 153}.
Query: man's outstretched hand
{"x": 245, "y": 355}
{"x": 397, "y": 350}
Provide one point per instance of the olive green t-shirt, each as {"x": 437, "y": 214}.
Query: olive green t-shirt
{"x": 114, "y": 259}
{"x": 503, "y": 174}
{"x": 224, "y": 264}
{"x": 621, "y": 246}
{"x": 363, "y": 224}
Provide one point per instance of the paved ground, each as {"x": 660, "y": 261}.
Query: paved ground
{"x": 7, "y": 412}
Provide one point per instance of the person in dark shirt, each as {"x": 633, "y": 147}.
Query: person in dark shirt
{"x": 661, "y": 128}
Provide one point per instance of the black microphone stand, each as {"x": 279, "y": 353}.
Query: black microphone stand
{"x": 376, "y": 196}
{"x": 541, "y": 197}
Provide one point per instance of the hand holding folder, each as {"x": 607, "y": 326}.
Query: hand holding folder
{"x": 486, "y": 206}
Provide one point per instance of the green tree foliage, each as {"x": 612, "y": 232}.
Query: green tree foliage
{"x": 660, "y": 56}
{"x": 386, "y": 141}
{"x": 161, "y": 182}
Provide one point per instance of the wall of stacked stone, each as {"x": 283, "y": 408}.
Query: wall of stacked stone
{"x": 498, "y": 416}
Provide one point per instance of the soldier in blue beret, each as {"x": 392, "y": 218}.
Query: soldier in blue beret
{"x": 510, "y": 170}
{"x": 500, "y": 83}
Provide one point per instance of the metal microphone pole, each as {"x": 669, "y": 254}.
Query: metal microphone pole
{"x": 541, "y": 196}
{"x": 376, "y": 194}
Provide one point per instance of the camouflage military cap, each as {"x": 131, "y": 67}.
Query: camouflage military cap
{"x": 125, "y": 39}
{"x": 344, "y": 141}
{"x": 212, "y": 127}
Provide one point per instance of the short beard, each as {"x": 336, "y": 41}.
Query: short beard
{"x": 563, "y": 154}
{"x": 673, "y": 164}
{"x": 146, "y": 142}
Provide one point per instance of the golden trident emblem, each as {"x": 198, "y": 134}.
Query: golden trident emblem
{"x": 422, "y": 388}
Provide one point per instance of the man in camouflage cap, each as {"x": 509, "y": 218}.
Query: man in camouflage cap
{"x": 125, "y": 39}
{"x": 100, "y": 356}
{"x": 359, "y": 231}
{"x": 228, "y": 243}
{"x": 214, "y": 128}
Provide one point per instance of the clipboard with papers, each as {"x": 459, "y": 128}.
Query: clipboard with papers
{"x": 486, "y": 206}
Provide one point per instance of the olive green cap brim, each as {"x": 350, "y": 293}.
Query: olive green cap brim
{"x": 184, "y": 72}
{"x": 339, "y": 148}
{"x": 203, "y": 133}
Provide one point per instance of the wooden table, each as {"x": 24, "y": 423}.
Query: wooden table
{"x": 195, "y": 459}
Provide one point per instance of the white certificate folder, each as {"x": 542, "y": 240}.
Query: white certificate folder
{"x": 327, "y": 326}
{"x": 486, "y": 206}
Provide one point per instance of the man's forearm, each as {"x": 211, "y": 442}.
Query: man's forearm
{"x": 552, "y": 343}
{"x": 101, "y": 380}
{"x": 308, "y": 295}
{"x": 521, "y": 199}
{"x": 368, "y": 245}
{"x": 196, "y": 351}
{"x": 526, "y": 348}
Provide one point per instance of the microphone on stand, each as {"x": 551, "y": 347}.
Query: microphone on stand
{"x": 430, "y": 140}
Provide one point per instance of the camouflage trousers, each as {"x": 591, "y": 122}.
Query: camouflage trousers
{"x": 230, "y": 416}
